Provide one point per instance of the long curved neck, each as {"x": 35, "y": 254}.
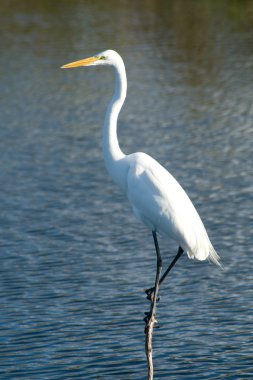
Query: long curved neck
{"x": 111, "y": 150}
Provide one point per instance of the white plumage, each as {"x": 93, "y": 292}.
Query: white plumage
{"x": 157, "y": 199}
{"x": 161, "y": 204}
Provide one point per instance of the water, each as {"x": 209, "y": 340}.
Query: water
{"x": 74, "y": 262}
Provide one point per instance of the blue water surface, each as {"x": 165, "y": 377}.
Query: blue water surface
{"x": 74, "y": 262}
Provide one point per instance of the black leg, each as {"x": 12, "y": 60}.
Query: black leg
{"x": 158, "y": 266}
{"x": 150, "y": 291}
{"x": 178, "y": 255}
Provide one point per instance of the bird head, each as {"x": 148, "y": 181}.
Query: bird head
{"x": 107, "y": 57}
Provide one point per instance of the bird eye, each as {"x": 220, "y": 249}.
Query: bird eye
{"x": 102, "y": 57}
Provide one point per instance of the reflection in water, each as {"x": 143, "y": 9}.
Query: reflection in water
{"x": 73, "y": 260}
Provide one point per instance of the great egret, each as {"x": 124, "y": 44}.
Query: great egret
{"x": 157, "y": 199}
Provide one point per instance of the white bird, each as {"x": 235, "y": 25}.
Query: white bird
{"x": 157, "y": 199}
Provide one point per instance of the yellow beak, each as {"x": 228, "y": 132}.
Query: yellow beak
{"x": 81, "y": 62}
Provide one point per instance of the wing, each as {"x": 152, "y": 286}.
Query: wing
{"x": 160, "y": 202}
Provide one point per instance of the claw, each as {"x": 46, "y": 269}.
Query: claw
{"x": 149, "y": 291}
{"x": 147, "y": 318}
{"x": 150, "y": 294}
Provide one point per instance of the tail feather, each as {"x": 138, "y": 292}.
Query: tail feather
{"x": 214, "y": 257}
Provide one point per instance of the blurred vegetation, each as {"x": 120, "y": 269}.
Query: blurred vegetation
{"x": 198, "y": 31}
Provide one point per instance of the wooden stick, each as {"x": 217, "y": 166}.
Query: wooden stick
{"x": 150, "y": 318}
{"x": 148, "y": 345}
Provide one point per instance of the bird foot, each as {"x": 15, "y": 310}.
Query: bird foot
{"x": 150, "y": 294}
{"x": 147, "y": 317}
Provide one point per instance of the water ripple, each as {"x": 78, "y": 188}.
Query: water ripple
{"x": 74, "y": 262}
